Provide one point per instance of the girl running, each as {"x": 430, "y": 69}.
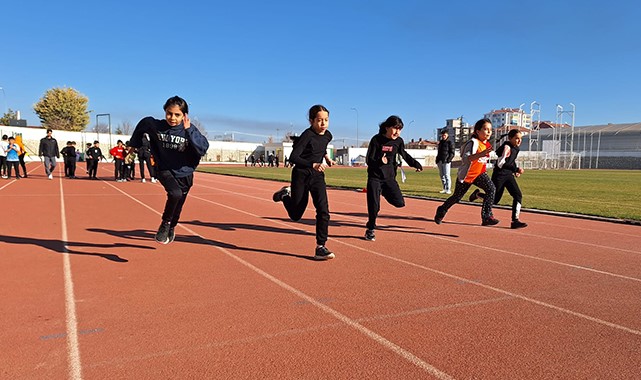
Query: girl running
{"x": 503, "y": 176}
{"x": 308, "y": 177}
{"x": 177, "y": 148}
{"x": 382, "y": 152}
{"x": 474, "y": 155}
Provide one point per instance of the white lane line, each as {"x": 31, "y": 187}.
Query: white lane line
{"x": 73, "y": 347}
{"x": 341, "y": 317}
{"x": 459, "y": 278}
{"x": 549, "y": 261}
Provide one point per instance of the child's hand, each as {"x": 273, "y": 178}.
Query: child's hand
{"x": 186, "y": 122}
{"x": 384, "y": 159}
{"x": 520, "y": 171}
{"x": 320, "y": 167}
{"x": 329, "y": 161}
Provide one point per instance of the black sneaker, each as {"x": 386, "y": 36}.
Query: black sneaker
{"x": 284, "y": 191}
{"x": 518, "y": 224}
{"x": 322, "y": 253}
{"x": 475, "y": 195}
{"x": 370, "y": 235}
{"x": 491, "y": 221}
{"x": 440, "y": 214}
{"x": 162, "y": 236}
{"x": 172, "y": 235}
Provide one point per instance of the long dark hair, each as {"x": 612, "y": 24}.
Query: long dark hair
{"x": 479, "y": 125}
{"x": 392, "y": 121}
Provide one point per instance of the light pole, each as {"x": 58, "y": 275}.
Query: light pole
{"x": 4, "y": 96}
{"x": 354, "y": 109}
{"x": 109, "y": 121}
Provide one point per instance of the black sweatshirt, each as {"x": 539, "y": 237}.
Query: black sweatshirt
{"x": 174, "y": 148}
{"x": 507, "y": 167}
{"x": 309, "y": 148}
{"x": 380, "y": 145}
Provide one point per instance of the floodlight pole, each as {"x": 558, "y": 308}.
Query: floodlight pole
{"x": 109, "y": 123}
{"x": 354, "y": 109}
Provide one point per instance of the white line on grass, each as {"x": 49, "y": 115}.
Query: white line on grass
{"x": 73, "y": 348}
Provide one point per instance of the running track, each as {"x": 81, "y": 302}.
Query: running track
{"x": 87, "y": 293}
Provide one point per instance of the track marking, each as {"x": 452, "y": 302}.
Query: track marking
{"x": 450, "y": 240}
{"x": 459, "y": 278}
{"x": 407, "y": 355}
{"x": 73, "y": 348}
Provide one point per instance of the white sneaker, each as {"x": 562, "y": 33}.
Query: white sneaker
{"x": 448, "y": 192}
{"x": 143, "y": 180}
{"x": 442, "y": 192}
{"x": 153, "y": 180}
{"x": 50, "y": 176}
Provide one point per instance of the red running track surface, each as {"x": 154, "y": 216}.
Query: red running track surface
{"x": 87, "y": 293}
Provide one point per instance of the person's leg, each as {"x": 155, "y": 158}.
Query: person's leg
{"x": 296, "y": 202}
{"x": 47, "y": 161}
{"x": 517, "y": 198}
{"x": 392, "y": 193}
{"x": 459, "y": 191}
{"x": 9, "y": 165}
{"x": 141, "y": 162}
{"x": 441, "y": 174}
{"x": 373, "y": 201}
{"x": 318, "y": 191}
{"x": 448, "y": 178}
{"x": 54, "y": 162}
{"x": 22, "y": 163}
{"x": 72, "y": 168}
{"x": 483, "y": 181}
{"x": 499, "y": 184}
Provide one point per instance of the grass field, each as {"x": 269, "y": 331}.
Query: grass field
{"x": 605, "y": 193}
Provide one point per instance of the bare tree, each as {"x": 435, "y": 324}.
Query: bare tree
{"x": 196, "y": 123}
{"x": 125, "y": 127}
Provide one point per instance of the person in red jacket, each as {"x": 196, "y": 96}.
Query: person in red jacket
{"x": 118, "y": 153}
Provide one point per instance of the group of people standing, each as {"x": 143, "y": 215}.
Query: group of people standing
{"x": 383, "y": 159}
{"x": 12, "y": 152}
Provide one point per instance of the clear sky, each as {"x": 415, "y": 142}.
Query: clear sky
{"x": 255, "y": 67}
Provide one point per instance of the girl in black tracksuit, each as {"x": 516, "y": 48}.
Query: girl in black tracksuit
{"x": 177, "y": 147}
{"x": 504, "y": 176}
{"x": 308, "y": 177}
{"x": 381, "y": 160}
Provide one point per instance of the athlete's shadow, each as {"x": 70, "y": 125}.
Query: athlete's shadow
{"x": 312, "y": 222}
{"x": 58, "y": 246}
{"x": 384, "y": 216}
{"x": 243, "y": 226}
{"x": 195, "y": 239}
{"x": 127, "y": 234}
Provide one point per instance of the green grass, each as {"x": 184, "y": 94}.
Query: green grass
{"x": 605, "y": 193}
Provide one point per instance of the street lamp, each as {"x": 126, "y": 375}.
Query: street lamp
{"x": 109, "y": 121}
{"x": 4, "y": 96}
{"x": 354, "y": 109}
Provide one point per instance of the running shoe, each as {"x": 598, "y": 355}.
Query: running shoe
{"x": 322, "y": 253}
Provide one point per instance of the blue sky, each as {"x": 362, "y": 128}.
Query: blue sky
{"x": 255, "y": 67}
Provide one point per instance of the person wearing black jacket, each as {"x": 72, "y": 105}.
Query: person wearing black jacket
{"x": 444, "y": 157}
{"x": 504, "y": 176}
{"x": 69, "y": 155}
{"x": 48, "y": 149}
{"x": 381, "y": 159}
{"x": 177, "y": 147}
{"x": 308, "y": 177}
{"x": 144, "y": 156}
{"x": 93, "y": 156}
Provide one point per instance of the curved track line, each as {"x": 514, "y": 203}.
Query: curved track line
{"x": 453, "y": 276}
{"x": 336, "y": 314}
{"x": 73, "y": 348}
{"x": 573, "y": 266}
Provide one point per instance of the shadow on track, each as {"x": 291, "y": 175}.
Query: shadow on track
{"x": 59, "y": 246}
